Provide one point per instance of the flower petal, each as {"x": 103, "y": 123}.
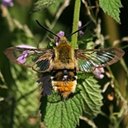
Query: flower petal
{"x": 60, "y": 34}
{"x": 22, "y": 58}
{"x": 7, "y": 3}
{"x": 25, "y": 46}
{"x": 98, "y": 72}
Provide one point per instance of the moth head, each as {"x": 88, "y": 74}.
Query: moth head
{"x": 62, "y": 40}
{"x": 60, "y": 37}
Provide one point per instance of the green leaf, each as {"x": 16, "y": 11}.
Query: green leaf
{"x": 91, "y": 95}
{"x": 41, "y": 4}
{"x": 21, "y": 98}
{"x": 64, "y": 113}
{"x": 112, "y": 8}
{"x": 25, "y": 98}
{"x": 55, "y": 7}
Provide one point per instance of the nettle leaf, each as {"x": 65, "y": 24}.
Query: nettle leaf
{"x": 112, "y": 8}
{"x": 91, "y": 95}
{"x": 64, "y": 113}
{"x": 41, "y": 4}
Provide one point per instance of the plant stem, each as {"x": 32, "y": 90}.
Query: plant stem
{"x": 75, "y": 23}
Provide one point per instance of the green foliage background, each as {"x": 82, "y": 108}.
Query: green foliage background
{"x": 19, "y": 91}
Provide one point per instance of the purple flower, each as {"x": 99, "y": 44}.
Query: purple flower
{"x": 60, "y": 34}
{"x": 22, "y": 58}
{"x": 79, "y": 26}
{"x": 7, "y": 3}
{"x": 98, "y": 72}
{"x": 27, "y": 50}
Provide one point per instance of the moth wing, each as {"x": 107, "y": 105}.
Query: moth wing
{"x": 43, "y": 63}
{"x": 88, "y": 60}
{"x": 38, "y": 59}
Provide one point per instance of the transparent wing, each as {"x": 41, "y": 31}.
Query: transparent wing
{"x": 88, "y": 60}
{"x": 39, "y": 60}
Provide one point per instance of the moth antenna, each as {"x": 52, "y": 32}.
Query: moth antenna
{"x": 46, "y": 29}
{"x": 79, "y": 29}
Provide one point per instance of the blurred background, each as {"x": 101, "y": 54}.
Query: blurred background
{"x": 19, "y": 91}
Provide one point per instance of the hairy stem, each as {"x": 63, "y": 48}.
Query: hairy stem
{"x": 75, "y": 23}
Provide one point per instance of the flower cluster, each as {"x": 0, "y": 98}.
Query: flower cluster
{"x": 59, "y": 34}
{"x": 7, "y": 3}
{"x": 79, "y": 26}
{"x": 22, "y": 58}
{"x": 99, "y": 72}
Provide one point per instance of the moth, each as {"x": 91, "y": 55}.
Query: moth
{"x": 63, "y": 62}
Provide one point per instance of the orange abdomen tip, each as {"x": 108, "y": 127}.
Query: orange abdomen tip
{"x": 64, "y": 87}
